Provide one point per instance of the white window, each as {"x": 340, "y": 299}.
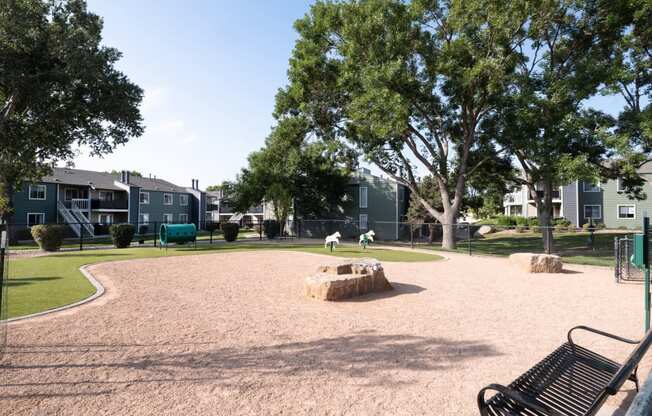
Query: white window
{"x": 593, "y": 211}
{"x": 37, "y": 192}
{"x": 183, "y": 200}
{"x": 105, "y": 219}
{"x": 183, "y": 218}
{"x": 591, "y": 187}
{"x": 144, "y": 197}
{"x": 364, "y": 219}
{"x": 627, "y": 212}
{"x": 168, "y": 199}
{"x": 363, "y": 197}
{"x": 168, "y": 218}
{"x": 34, "y": 218}
{"x": 143, "y": 218}
{"x": 105, "y": 195}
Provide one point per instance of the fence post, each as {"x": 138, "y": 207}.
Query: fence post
{"x": 3, "y": 246}
{"x": 617, "y": 257}
{"x": 646, "y": 269}
{"x": 81, "y": 237}
{"x": 468, "y": 236}
{"x": 260, "y": 231}
{"x": 211, "y": 240}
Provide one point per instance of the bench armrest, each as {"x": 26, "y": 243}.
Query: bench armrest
{"x": 513, "y": 395}
{"x": 599, "y": 332}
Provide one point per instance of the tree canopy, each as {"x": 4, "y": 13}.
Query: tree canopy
{"x": 293, "y": 172}
{"x": 409, "y": 84}
{"x": 59, "y": 89}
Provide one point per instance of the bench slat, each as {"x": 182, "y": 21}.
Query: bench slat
{"x": 568, "y": 381}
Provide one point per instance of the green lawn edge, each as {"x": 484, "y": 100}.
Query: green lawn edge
{"x": 39, "y": 284}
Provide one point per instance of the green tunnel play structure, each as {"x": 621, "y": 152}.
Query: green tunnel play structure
{"x": 177, "y": 233}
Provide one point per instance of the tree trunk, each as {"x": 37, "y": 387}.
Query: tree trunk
{"x": 448, "y": 231}
{"x": 545, "y": 214}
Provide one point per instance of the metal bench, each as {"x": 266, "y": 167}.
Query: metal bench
{"x": 572, "y": 381}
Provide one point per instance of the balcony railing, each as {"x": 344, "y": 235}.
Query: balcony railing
{"x": 113, "y": 204}
{"x": 555, "y": 194}
{"x": 76, "y": 203}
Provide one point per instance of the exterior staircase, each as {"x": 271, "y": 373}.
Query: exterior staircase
{"x": 76, "y": 219}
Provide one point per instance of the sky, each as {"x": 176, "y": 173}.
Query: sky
{"x": 210, "y": 70}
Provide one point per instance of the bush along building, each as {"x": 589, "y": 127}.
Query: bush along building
{"x": 89, "y": 202}
{"x": 582, "y": 201}
{"x": 375, "y": 203}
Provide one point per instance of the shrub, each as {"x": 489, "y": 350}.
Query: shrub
{"x": 561, "y": 221}
{"x": 505, "y": 221}
{"x": 560, "y": 228}
{"x": 101, "y": 229}
{"x": 622, "y": 227}
{"x": 212, "y": 226}
{"x": 535, "y": 229}
{"x": 230, "y": 230}
{"x": 48, "y": 237}
{"x": 142, "y": 230}
{"x": 122, "y": 234}
{"x": 600, "y": 226}
{"x": 271, "y": 228}
{"x": 533, "y": 222}
{"x": 572, "y": 229}
{"x": 586, "y": 226}
{"x": 521, "y": 221}
{"x": 519, "y": 229}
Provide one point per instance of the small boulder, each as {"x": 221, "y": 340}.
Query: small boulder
{"x": 537, "y": 263}
{"x": 344, "y": 280}
{"x": 484, "y": 230}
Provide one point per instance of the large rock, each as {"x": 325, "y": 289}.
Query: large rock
{"x": 484, "y": 230}
{"x": 537, "y": 263}
{"x": 347, "y": 279}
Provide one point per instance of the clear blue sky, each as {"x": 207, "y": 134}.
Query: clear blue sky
{"x": 210, "y": 70}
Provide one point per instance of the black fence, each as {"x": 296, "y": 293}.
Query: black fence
{"x": 595, "y": 244}
{"x": 592, "y": 245}
{"x": 81, "y": 236}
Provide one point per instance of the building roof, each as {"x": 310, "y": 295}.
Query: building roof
{"x": 104, "y": 180}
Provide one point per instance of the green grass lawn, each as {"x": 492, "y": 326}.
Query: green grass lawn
{"x": 40, "y": 283}
{"x": 571, "y": 246}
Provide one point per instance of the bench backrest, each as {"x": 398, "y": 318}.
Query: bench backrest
{"x": 630, "y": 364}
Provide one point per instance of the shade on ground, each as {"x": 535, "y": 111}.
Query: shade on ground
{"x": 231, "y": 333}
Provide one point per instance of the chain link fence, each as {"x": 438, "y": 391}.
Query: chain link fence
{"x": 582, "y": 245}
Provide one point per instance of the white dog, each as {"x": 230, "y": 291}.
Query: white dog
{"x": 333, "y": 238}
{"x": 368, "y": 236}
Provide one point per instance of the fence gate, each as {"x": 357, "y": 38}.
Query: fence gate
{"x": 624, "y": 270}
{"x": 4, "y": 276}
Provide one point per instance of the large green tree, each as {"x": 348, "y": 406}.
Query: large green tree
{"x": 631, "y": 78}
{"x": 293, "y": 172}
{"x": 546, "y": 124}
{"x": 409, "y": 84}
{"x": 59, "y": 88}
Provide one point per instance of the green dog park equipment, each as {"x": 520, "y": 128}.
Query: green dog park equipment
{"x": 639, "y": 255}
{"x": 177, "y": 233}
